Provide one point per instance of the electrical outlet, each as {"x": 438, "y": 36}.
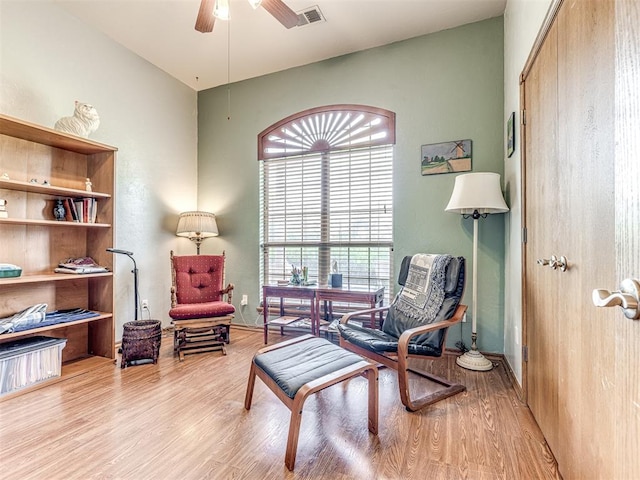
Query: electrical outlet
{"x": 145, "y": 303}
{"x": 245, "y": 300}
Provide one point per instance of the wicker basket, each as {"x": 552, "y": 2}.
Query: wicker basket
{"x": 141, "y": 341}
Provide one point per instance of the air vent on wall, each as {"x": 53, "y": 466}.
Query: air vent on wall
{"x": 310, "y": 15}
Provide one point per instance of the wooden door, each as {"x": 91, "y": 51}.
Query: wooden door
{"x": 582, "y": 369}
{"x": 586, "y": 53}
{"x": 543, "y": 191}
{"x": 627, "y": 236}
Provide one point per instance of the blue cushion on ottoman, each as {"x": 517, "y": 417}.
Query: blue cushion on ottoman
{"x": 293, "y": 366}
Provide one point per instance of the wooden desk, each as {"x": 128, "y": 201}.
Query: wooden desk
{"x": 287, "y": 291}
{"x": 373, "y": 297}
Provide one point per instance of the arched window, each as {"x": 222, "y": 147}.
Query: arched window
{"x": 326, "y": 195}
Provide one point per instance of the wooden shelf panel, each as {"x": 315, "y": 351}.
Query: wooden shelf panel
{"x": 49, "y": 189}
{"x": 49, "y": 328}
{"x": 69, "y": 370}
{"x": 46, "y": 136}
{"x": 53, "y": 223}
{"x": 51, "y": 277}
{"x": 88, "y": 364}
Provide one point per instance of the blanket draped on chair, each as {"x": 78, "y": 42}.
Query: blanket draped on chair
{"x": 424, "y": 291}
{"x": 429, "y": 295}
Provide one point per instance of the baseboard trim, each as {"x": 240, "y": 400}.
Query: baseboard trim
{"x": 514, "y": 382}
{"x": 253, "y": 328}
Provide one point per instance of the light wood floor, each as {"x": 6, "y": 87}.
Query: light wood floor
{"x": 187, "y": 421}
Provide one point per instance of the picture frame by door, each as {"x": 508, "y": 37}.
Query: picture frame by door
{"x": 511, "y": 134}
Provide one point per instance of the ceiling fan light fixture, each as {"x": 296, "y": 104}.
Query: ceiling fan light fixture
{"x": 255, "y": 3}
{"x": 221, "y": 9}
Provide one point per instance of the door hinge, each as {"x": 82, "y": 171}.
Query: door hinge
{"x": 524, "y": 234}
{"x": 525, "y": 353}
{"x": 523, "y": 116}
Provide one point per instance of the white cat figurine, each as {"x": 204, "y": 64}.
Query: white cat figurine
{"x": 85, "y": 120}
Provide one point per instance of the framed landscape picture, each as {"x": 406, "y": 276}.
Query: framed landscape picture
{"x": 446, "y": 157}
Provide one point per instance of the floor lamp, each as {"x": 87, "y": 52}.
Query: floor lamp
{"x": 135, "y": 276}
{"x": 476, "y": 195}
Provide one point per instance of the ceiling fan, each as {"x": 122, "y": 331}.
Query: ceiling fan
{"x": 210, "y": 9}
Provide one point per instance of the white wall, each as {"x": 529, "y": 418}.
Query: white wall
{"x": 522, "y": 21}
{"x": 48, "y": 59}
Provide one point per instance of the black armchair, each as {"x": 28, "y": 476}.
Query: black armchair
{"x": 416, "y": 323}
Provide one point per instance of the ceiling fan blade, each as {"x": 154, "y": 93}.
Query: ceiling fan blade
{"x": 205, "y": 19}
{"x": 281, "y": 12}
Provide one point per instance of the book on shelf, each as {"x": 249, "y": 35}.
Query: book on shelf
{"x": 79, "y": 205}
{"x": 90, "y": 210}
{"x": 69, "y": 212}
{"x": 82, "y": 210}
{"x": 79, "y": 266}
{"x": 80, "y": 270}
{"x": 93, "y": 210}
{"x": 284, "y": 320}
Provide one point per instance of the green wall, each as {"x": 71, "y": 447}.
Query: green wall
{"x": 444, "y": 86}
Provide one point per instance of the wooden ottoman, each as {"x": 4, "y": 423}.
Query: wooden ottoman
{"x": 297, "y": 368}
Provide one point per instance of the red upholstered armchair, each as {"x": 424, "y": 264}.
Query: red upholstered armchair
{"x": 199, "y": 311}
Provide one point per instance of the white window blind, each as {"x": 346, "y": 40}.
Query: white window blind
{"x": 329, "y": 207}
{"x": 326, "y": 195}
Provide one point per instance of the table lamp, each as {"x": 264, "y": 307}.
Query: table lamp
{"x": 197, "y": 226}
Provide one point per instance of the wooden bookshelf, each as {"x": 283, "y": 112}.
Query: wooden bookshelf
{"x": 38, "y": 166}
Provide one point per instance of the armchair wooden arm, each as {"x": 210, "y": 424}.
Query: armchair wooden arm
{"x": 407, "y": 335}
{"x": 347, "y": 317}
{"x": 228, "y": 291}
{"x": 403, "y": 368}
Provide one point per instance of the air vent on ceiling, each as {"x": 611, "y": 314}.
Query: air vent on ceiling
{"x": 310, "y": 15}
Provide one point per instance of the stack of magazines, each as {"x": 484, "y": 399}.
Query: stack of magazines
{"x": 37, "y": 316}
{"x": 79, "y": 266}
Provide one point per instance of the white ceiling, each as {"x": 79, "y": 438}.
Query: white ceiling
{"x": 162, "y": 32}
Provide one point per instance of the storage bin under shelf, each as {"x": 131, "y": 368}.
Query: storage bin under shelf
{"x": 29, "y": 361}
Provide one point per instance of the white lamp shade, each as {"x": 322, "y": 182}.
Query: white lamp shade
{"x": 197, "y": 224}
{"x": 477, "y": 191}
